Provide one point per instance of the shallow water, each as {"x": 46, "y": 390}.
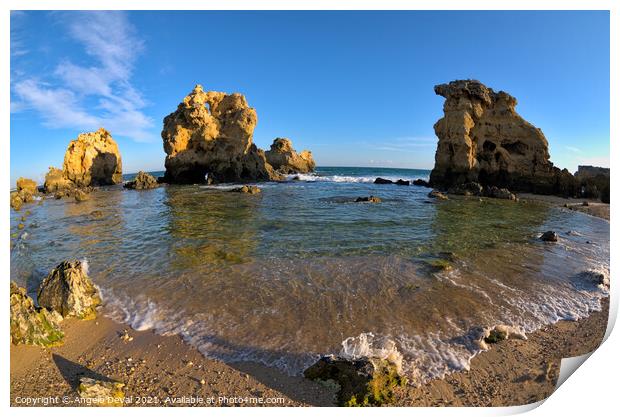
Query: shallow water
{"x": 300, "y": 270}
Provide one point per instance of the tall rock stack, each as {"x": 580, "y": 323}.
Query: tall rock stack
{"x": 483, "y": 139}
{"x": 283, "y": 158}
{"x": 210, "y": 133}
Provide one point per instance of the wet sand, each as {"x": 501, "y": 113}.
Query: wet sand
{"x": 164, "y": 371}
{"x": 593, "y": 207}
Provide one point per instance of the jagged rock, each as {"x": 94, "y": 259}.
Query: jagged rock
{"x": 361, "y": 382}
{"x": 93, "y": 159}
{"x": 383, "y": 181}
{"x": 247, "y": 189}
{"x": 469, "y": 188}
{"x": 283, "y": 158}
{"x": 142, "y": 181}
{"x": 438, "y": 195}
{"x": 69, "y": 291}
{"x": 214, "y": 140}
{"x": 16, "y": 201}
{"x": 549, "y": 236}
{"x": 503, "y": 193}
{"x": 483, "y": 139}
{"x": 101, "y": 393}
{"x": 56, "y": 182}
{"x": 420, "y": 183}
{"x": 371, "y": 199}
{"x": 26, "y": 185}
{"x": 31, "y": 325}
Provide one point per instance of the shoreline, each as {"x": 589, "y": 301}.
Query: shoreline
{"x": 512, "y": 372}
{"x": 594, "y": 207}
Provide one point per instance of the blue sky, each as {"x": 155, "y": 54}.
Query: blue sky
{"x": 356, "y": 88}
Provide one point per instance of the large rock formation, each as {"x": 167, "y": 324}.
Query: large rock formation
{"x": 211, "y": 133}
{"x": 93, "y": 159}
{"x": 483, "y": 139}
{"x": 31, "y": 325}
{"x": 69, "y": 291}
{"x": 283, "y": 158}
{"x": 26, "y": 189}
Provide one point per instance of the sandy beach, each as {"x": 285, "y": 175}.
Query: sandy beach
{"x": 163, "y": 370}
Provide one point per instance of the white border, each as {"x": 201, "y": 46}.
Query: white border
{"x": 592, "y": 391}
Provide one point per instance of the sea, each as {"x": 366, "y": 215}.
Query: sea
{"x": 301, "y": 270}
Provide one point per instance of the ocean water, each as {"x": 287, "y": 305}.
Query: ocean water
{"x": 301, "y": 270}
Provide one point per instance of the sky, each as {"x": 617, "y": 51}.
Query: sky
{"x": 355, "y": 88}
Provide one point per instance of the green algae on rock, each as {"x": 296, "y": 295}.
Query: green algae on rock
{"x": 69, "y": 291}
{"x": 31, "y": 325}
{"x": 361, "y": 382}
{"x": 101, "y": 393}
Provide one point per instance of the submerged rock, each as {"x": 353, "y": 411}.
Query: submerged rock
{"x": 361, "y": 382}
{"x": 370, "y": 199}
{"x": 142, "y": 181}
{"x": 102, "y": 393}
{"x": 69, "y": 291}
{"x": 483, "y": 139}
{"x": 80, "y": 195}
{"x": 549, "y": 236}
{"x": 31, "y": 325}
{"x": 211, "y": 133}
{"x": 283, "y": 158}
{"x": 247, "y": 189}
{"x": 93, "y": 159}
{"x": 438, "y": 195}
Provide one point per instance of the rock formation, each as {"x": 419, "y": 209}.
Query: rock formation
{"x": 594, "y": 182}
{"x": 69, "y": 291}
{"x": 283, "y": 158}
{"x": 102, "y": 393}
{"x": 26, "y": 189}
{"x": 251, "y": 189}
{"x": 31, "y": 325}
{"x": 483, "y": 139}
{"x": 210, "y": 133}
{"x": 361, "y": 382}
{"x": 370, "y": 199}
{"x": 93, "y": 159}
{"x": 142, "y": 181}
{"x": 55, "y": 181}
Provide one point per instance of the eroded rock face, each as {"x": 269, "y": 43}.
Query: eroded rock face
{"x": 69, "y": 291}
{"x": 142, "y": 181}
{"x": 211, "y": 133}
{"x": 283, "y": 158}
{"x": 31, "y": 325}
{"x": 93, "y": 159}
{"x": 56, "y": 181}
{"x": 483, "y": 139}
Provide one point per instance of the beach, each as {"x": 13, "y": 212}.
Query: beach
{"x": 164, "y": 371}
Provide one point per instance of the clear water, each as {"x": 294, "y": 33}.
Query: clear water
{"x": 300, "y": 270}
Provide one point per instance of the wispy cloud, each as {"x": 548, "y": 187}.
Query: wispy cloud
{"x": 573, "y": 149}
{"x": 86, "y": 97}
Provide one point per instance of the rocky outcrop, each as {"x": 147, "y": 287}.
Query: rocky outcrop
{"x": 210, "y": 133}
{"x": 142, "y": 181}
{"x": 549, "y": 236}
{"x": 380, "y": 180}
{"x": 420, "y": 183}
{"x": 594, "y": 182}
{"x": 483, "y": 139}
{"x": 438, "y": 195}
{"x": 25, "y": 191}
{"x": 31, "y": 325}
{"x": 283, "y": 158}
{"x": 360, "y": 382}
{"x": 69, "y": 291}
{"x": 246, "y": 189}
{"x": 93, "y": 159}
{"x": 56, "y": 181}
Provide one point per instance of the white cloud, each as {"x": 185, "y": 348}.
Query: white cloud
{"x": 66, "y": 99}
{"x": 573, "y": 149}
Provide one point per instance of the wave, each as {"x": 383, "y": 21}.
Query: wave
{"x": 344, "y": 178}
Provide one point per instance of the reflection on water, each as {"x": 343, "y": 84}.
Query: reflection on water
{"x": 286, "y": 275}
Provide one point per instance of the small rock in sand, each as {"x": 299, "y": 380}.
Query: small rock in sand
{"x": 102, "y": 393}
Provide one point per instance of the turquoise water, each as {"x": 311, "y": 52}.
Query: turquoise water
{"x": 301, "y": 270}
